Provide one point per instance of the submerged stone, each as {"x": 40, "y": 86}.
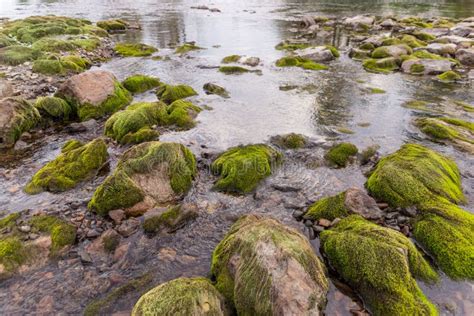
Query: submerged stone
{"x": 62, "y": 233}
{"x": 242, "y": 168}
{"x": 186, "y": 48}
{"x": 134, "y": 49}
{"x": 76, "y": 163}
{"x": 265, "y": 268}
{"x": 231, "y": 59}
{"x": 16, "y": 117}
{"x": 94, "y": 94}
{"x": 340, "y": 154}
{"x": 211, "y": 88}
{"x": 167, "y": 219}
{"x": 290, "y": 141}
{"x": 300, "y": 62}
{"x": 381, "y": 265}
{"x": 182, "y": 296}
{"x": 147, "y": 174}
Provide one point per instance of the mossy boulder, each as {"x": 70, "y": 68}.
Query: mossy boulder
{"x": 166, "y": 218}
{"x": 54, "y": 108}
{"x": 449, "y": 76}
{"x": 183, "y": 296}
{"x": 265, "y": 268}
{"x": 186, "y": 48}
{"x": 94, "y": 94}
{"x": 147, "y": 174}
{"x": 381, "y": 264}
{"x": 291, "y": 141}
{"x": 76, "y": 163}
{"x": 140, "y": 83}
{"x": 53, "y": 45}
{"x": 384, "y": 65}
{"x": 134, "y": 49}
{"x": 6, "y": 41}
{"x": 16, "y": 55}
{"x": 113, "y": 25}
{"x": 211, "y": 88}
{"x": 62, "y": 233}
{"x": 231, "y": 59}
{"x": 13, "y": 254}
{"x": 340, "y": 154}
{"x": 300, "y": 62}
{"x": 291, "y": 46}
{"x": 242, "y": 168}
{"x": 395, "y": 51}
{"x": 16, "y": 117}
{"x": 415, "y": 174}
{"x": 55, "y": 65}
{"x": 412, "y": 41}
{"x": 168, "y": 93}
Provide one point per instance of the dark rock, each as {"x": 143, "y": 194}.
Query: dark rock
{"x": 298, "y": 215}
{"x": 409, "y": 211}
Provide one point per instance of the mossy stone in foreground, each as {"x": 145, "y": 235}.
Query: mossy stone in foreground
{"x": 13, "y": 253}
{"x": 62, "y": 233}
{"x": 183, "y": 296}
{"x": 140, "y": 83}
{"x": 54, "y": 108}
{"x": 380, "y": 264}
{"x": 340, "y": 154}
{"x": 161, "y": 171}
{"x": 329, "y": 208}
{"x": 447, "y": 233}
{"x": 415, "y": 174}
{"x": 266, "y": 268}
{"x": 168, "y": 93}
{"x": 242, "y": 168}
{"x": 76, "y": 163}
{"x": 16, "y": 55}
{"x": 134, "y": 49}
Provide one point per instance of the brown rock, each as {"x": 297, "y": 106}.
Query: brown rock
{"x": 128, "y": 227}
{"x": 117, "y": 216}
{"x": 359, "y": 202}
{"x": 6, "y": 89}
{"x": 324, "y": 222}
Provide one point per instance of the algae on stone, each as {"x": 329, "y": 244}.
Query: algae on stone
{"x": 113, "y": 25}
{"x": 231, "y": 59}
{"x": 140, "y": 83}
{"x": 340, "y": 154}
{"x": 291, "y": 141}
{"x": 62, "y": 233}
{"x": 134, "y": 49}
{"x": 168, "y": 93}
{"x": 381, "y": 264}
{"x": 233, "y": 70}
{"x": 74, "y": 165}
{"x": 384, "y": 65}
{"x": 449, "y": 76}
{"x": 55, "y": 108}
{"x": 300, "y": 62}
{"x": 329, "y": 208}
{"x": 186, "y": 48}
{"x": 242, "y": 168}
{"x": 16, "y": 55}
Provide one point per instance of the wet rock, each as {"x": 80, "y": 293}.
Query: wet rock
{"x": 6, "y": 89}
{"x": 441, "y": 49}
{"x": 318, "y": 228}
{"x": 427, "y": 66}
{"x": 388, "y": 23}
{"x": 295, "y": 280}
{"x": 251, "y": 61}
{"x": 211, "y": 88}
{"x": 81, "y": 126}
{"x": 128, "y": 227}
{"x": 324, "y": 223}
{"x": 316, "y": 54}
{"x": 298, "y": 215}
{"x": 183, "y": 296}
{"x": 168, "y": 219}
{"x": 466, "y": 56}
{"x": 94, "y": 93}
{"x": 359, "y": 20}
{"x": 16, "y": 117}
{"x": 409, "y": 211}
{"x": 391, "y": 51}
{"x": 92, "y": 233}
{"x": 359, "y": 202}
{"x": 117, "y": 216}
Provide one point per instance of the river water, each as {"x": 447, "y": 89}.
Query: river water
{"x": 258, "y": 109}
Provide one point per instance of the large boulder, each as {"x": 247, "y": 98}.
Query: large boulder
{"x": 265, "y": 268}
{"x": 147, "y": 174}
{"x": 183, "y": 296}
{"x": 466, "y": 56}
{"x": 76, "y": 163}
{"x": 16, "y": 117}
{"x": 381, "y": 264}
{"x": 94, "y": 94}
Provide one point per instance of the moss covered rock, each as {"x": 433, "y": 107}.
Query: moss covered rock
{"x": 16, "y": 117}
{"x": 415, "y": 174}
{"x": 242, "y": 168}
{"x": 340, "y": 154}
{"x": 183, "y": 296}
{"x": 76, "y": 163}
{"x": 186, "y": 48}
{"x": 54, "y": 65}
{"x": 233, "y": 70}
{"x": 168, "y": 219}
{"x": 13, "y": 253}
{"x": 381, "y": 265}
{"x": 5, "y": 41}
{"x": 151, "y": 173}
{"x": 94, "y": 94}
{"x": 292, "y": 46}
{"x": 113, "y": 25}
{"x": 134, "y": 49}
{"x": 62, "y": 233}
{"x": 384, "y": 65}
{"x": 391, "y": 51}
{"x": 300, "y": 62}
{"x": 54, "y": 108}
{"x": 265, "y": 268}
{"x": 449, "y": 76}
{"x": 140, "y": 83}
{"x": 16, "y": 55}
{"x": 211, "y": 88}
{"x": 231, "y": 59}
{"x": 168, "y": 93}
{"x": 290, "y": 141}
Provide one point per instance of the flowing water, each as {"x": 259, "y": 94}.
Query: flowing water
{"x": 258, "y": 109}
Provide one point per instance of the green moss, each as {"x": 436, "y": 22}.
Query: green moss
{"x": 113, "y": 25}
{"x": 340, "y": 154}
{"x": 243, "y": 168}
{"x": 416, "y": 105}
{"x": 134, "y": 49}
{"x": 415, "y": 174}
{"x": 119, "y": 190}
{"x": 9, "y": 220}
{"x": 292, "y": 46}
{"x": 376, "y": 91}
{"x": 181, "y": 113}
{"x": 424, "y": 36}
{"x": 290, "y": 61}
{"x": 449, "y": 76}
{"x": 384, "y": 51}
{"x": 423, "y": 54}
{"x": 69, "y": 169}
{"x": 231, "y": 59}
{"x": 186, "y": 48}
{"x": 232, "y": 70}
{"x": 417, "y": 69}
{"x": 154, "y": 224}
{"x": 458, "y": 122}
{"x": 391, "y": 41}
{"x": 250, "y": 285}
{"x": 369, "y": 46}
{"x": 436, "y": 129}
{"x": 6, "y": 41}
{"x": 106, "y": 304}
{"x": 16, "y": 55}
{"x": 13, "y": 253}
{"x": 328, "y": 208}
{"x": 380, "y": 264}
{"x": 412, "y": 41}
{"x": 334, "y": 51}
{"x": 144, "y": 134}
{"x": 55, "y": 65}
{"x": 62, "y": 233}
{"x": 291, "y": 141}
{"x": 48, "y": 67}
{"x": 181, "y": 296}
{"x": 416, "y": 21}
{"x": 168, "y": 93}
{"x": 54, "y": 108}
{"x": 88, "y": 44}
{"x": 23, "y": 118}
{"x": 211, "y": 88}
{"x": 53, "y": 45}
{"x": 140, "y": 83}
{"x": 111, "y": 242}
{"x": 465, "y": 106}
{"x": 384, "y": 65}
{"x": 368, "y": 153}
